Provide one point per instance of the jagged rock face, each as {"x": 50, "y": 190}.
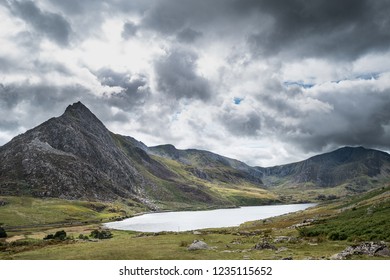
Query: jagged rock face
{"x": 73, "y": 156}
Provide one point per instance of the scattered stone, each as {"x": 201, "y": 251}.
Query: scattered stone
{"x": 264, "y": 246}
{"x": 281, "y": 239}
{"x": 365, "y": 248}
{"x": 236, "y": 242}
{"x": 195, "y": 232}
{"x": 246, "y": 257}
{"x": 305, "y": 222}
{"x": 282, "y": 249}
{"x": 198, "y": 245}
{"x": 231, "y": 251}
{"x": 287, "y": 239}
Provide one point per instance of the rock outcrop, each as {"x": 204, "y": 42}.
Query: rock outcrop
{"x": 365, "y": 248}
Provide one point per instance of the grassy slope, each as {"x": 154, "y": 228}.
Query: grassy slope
{"x": 365, "y": 217}
{"x": 28, "y": 211}
{"x": 241, "y": 193}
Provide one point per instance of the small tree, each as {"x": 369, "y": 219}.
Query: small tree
{"x": 3, "y": 234}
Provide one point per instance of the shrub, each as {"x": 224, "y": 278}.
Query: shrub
{"x": 83, "y": 237}
{"x": 49, "y": 236}
{"x": 59, "y": 235}
{"x": 3, "y": 234}
{"x": 104, "y": 234}
{"x": 335, "y": 235}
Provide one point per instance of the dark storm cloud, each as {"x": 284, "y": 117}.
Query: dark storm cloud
{"x": 129, "y": 30}
{"x": 321, "y": 28}
{"x": 358, "y": 116}
{"x": 51, "y": 25}
{"x": 177, "y": 77}
{"x": 135, "y": 90}
{"x": 77, "y": 6}
{"x": 171, "y": 16}
{"x": 295, "y": 28}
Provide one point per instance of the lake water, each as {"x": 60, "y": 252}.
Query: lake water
{"x": 192, "y": 220}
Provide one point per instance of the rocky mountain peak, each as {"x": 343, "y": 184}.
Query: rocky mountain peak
{"x": 79, "y": 113}
{"x": 79, "y": 110}
{"x": 77, "y": 106}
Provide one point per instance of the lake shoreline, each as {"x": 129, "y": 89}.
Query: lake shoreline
{"x": 193, "y": 220}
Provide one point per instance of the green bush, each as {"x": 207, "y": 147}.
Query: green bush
{"x": 104, "y": 234}
{"x": 83, "y": 237}
{"x": 59, "y": 235}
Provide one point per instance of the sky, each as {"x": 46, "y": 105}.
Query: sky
{"x": 267, "y": 82}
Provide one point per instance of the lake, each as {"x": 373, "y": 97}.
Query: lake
{"x": 192, "y": 220}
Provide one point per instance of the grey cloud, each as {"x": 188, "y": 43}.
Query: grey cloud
{"x": 170, "y": 16}
{"x": 129, "y": 30}
{"x": 358, "y": 117}
{"x": 9, "y": 97}
{"x": 188, "y": 35}
{"x": 77, "y": 6}
{"x": 6, "y": 65}
{"x": 320, "y": 28}
{"x": 135, "y": 90}
{"x": 177, "y": 77}
{"x": 51, "y": 25}
{"x": 8, "y": 124}
{"x": 242, "y": 125}
{"x": 50, "y": 67}
{"x": 294, "y": 29}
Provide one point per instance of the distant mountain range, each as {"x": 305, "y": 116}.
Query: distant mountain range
{"x": 75, "y": 156}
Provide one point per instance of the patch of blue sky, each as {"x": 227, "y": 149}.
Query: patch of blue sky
{"x": 364, "y": 76}
{"x": 368, "y": 76}
{"x": 237, "y": 100}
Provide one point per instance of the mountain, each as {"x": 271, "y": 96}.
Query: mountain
{"x": 354, "y": 169}
{"x": 75, "y": 157}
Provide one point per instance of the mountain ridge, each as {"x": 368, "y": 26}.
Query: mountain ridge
{"x": 74, "y": 156}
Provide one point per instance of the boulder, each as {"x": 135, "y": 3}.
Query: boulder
{"x": 198, "y": 245}
{"x": 264, "y": 246}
